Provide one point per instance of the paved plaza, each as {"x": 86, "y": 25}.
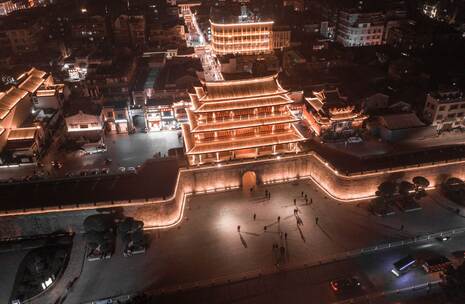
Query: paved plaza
{"x": 207, "y": 245}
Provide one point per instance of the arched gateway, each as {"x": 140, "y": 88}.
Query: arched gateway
{"x": 249, "y": 181}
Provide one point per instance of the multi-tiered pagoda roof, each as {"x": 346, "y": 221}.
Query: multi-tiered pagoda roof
{"x": 240, "y": 115}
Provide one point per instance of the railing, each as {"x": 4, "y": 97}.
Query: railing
{"x": 372, "y": 296}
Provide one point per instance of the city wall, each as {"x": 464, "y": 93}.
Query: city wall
{"x": 158, "y": 213}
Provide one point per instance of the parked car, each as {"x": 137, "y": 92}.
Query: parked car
{"x": 403, "y": 265}
{"x": 354, "y": 140}
{"x": 131, "y": 170}
{"x": 122, "y": 169}
{"x": 345, "y": 285}
{"x": 105, "y": 171}
{"x": 436, "y": 264}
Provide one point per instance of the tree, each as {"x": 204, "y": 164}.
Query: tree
{"x": 98, "y": 233}
{"x": 421, "y": 183}
{"x": 453, "y": 283}
{"x": 405, "y": 188}
{"x": 129, "y": 225}
{"x": 98, "y": 222}
{"x": 454, "y": 189}
{"x": 387, "y": 189}
{"x": 453, "y": 182}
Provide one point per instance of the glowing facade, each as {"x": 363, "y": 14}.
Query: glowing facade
{"x": 329, "y": 113}
{"x": 242, "y": 37}
{"x": 240, "y": 119}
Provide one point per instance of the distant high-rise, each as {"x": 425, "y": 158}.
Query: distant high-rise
{"x": 360, "y": 28}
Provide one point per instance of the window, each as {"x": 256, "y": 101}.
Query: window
{"x": 442, "y": 108}
{"x": 109, "y": 114}
{"x": 462, "y": 106}
{"x": 451, "y": 116}
{"x": 83, "y": 126}
{"x": 454, "y": 107}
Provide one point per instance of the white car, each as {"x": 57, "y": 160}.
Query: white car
{"x": 131, "y": 170}
{"x": 354, "y": 140}
{"x": 122, "y": 169}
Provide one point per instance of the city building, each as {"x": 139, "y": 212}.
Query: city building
{"x": 401, "y": 127}
{"x": 242, "y": 37}
{"x": 236, "y": 119}
{"x": 329, "y": 114}
{"x": 116, "y": 117}
{"x": 247, "y": 34}
{"x": 445, "y": 109}
{"x": 170, "y": 32}
{"x": 89, "y": 28}
{"x": 281, "y": 37}
{"x": 84, "y": 128}
{"x": 51, "y": 97}
{"x": 6, "y": 7}
{"x": 112, "y": 79}
{"x": 357, "y": 28}
{"x": 20, "y": 136}
{"x": 159, "y": 113}
{"x": 130, "y": 30}
{"x": 22, "y": 34}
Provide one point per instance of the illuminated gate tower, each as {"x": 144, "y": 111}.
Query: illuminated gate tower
{"x": 240, "y": 119}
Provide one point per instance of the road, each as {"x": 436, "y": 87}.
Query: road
{"x": 312, "y": 284}
{"x": 210, "y": 64}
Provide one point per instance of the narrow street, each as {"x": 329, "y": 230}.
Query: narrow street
{"x": 210, "y": 63}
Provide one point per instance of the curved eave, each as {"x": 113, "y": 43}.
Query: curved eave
{"x": 247, "y": 103}
{"x": 246, "y": 143}
{"x": 241, "y": 125}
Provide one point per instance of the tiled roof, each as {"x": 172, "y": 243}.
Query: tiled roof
{"x": 22, "y": 133}
{"x": 245, "y": 123}
{"x": 245, "y": 103}
{"x": 9, "y": 100}
{"x": 235, "y": 89}
{"x": 261, "y": 140}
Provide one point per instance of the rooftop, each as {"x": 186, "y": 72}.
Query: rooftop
{"x": 401, "y": 121}
{"x": 245, "y": 88}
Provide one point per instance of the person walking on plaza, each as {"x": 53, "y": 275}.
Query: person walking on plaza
{"x": 302, "y": 194}
{"x": 295, "y": 201}
{"x": 285, "y": 235}
{"x": 254, "y": 216}
{"x": 279, "y": 219}
{"x": 264, "y": 228}
{"x": 316, "y": 220}
{"x": 311, "y": 201}
{"x": 238, "y": 228}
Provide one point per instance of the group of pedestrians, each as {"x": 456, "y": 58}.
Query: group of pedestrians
{"x": 305, "y": 197}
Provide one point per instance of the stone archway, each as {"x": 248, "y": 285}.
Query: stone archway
{"x": 249, "y": 181}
